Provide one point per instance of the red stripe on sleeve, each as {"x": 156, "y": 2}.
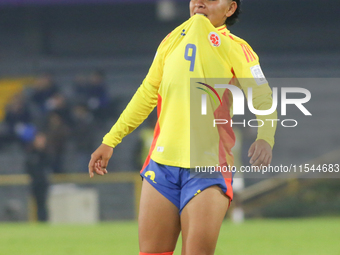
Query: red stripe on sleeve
{"x": 249, "y": 54}
{"x": 245, "y": 53}
{"x": 166, "y": 37}
{"x": 252, "y": 54}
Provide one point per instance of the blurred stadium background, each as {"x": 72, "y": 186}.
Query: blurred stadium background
{"x": 75, "y": 65}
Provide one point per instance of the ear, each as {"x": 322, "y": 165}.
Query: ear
{"x": 231, "y": 9}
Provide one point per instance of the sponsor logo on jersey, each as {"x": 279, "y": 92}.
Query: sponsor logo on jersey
{"x": 214, "y": 39}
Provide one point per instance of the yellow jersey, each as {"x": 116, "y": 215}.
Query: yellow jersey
{"x": 194, "y": 50}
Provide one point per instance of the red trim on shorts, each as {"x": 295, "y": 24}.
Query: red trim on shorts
{"x": 228, "y": 177}
{"x": 155, "y": 134}
{"x": 163, "y": 253}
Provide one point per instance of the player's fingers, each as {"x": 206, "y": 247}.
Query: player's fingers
{"x": 98, "y": 169}
{"x": 259, "y": 160}
{"x": 92, "y": 165}
{"x": 99, "y": 160}
{"x": 251, "y": 150}
{"x": 266, "y": 160}
{"x": 269, "y": 159}
{"x": 256, "y": 154}
{"x": 104, "y": 162}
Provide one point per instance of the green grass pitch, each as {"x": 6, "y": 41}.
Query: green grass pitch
{"x": 316, "y": 236}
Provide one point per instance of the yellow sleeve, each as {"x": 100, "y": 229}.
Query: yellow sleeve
{"x": 155, "y": 73}
{"x": 138, "y": 109}
{"x": 142, "y": 103}
{"x": 249, "y": 74}
{"x": 262, "y": 100}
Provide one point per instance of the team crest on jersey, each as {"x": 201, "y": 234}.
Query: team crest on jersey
{"x": 214, "y": 39}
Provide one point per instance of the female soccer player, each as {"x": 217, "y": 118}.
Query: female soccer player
{"x": 172, "y": 199}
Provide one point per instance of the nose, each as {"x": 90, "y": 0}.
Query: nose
{"x": 199, "y": 3}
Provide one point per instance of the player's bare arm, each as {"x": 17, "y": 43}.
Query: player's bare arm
{"x": 99, "y": 160}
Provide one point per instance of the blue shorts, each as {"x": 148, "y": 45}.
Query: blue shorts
{"x": 179, "y": 185}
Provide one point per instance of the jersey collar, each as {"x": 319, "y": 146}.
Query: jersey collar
{"x": 223, "y": 29}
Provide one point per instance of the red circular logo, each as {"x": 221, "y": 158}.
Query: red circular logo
{"x": 214, "y": 39}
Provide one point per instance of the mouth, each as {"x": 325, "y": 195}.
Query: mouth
{"x": 200, "y": 14}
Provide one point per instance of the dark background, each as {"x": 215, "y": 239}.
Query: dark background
{"x": 294, "y": 39}
{"x": 117, "y": 29}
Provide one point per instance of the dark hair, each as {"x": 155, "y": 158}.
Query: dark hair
{"x": 233, "y": 18}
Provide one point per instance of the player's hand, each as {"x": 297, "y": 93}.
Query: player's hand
{"x": 260, "y": 153}
{"x": 99, "y": 160}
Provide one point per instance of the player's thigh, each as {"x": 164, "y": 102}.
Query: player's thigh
{"x": 158, "y": 221}
{"x": 201, "y": 220}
